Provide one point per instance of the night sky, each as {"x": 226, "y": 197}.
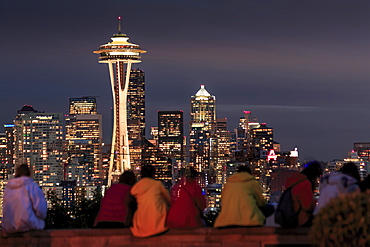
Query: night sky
{"x": 302, "y": 67}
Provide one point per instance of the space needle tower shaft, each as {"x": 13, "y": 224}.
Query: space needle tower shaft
{"x": 119, "y": 54}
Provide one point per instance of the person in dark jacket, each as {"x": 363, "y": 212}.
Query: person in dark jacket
{"x": 303, "y": 185}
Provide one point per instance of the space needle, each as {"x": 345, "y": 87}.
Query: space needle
{"x": 119, "y": 54}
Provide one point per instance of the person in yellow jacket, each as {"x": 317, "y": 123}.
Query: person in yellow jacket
{"x": 242, "y": 202}
{"x": 152, "y": 205}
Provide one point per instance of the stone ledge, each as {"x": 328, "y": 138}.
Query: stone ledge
{"x": 253, "y": 236}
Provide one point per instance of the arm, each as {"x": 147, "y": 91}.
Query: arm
{"x": 260, "y": 200}
{"x": 38, "y": 201}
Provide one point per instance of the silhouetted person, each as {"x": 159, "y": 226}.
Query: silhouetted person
{"x": 242, "y": 201}
{"x": 115, "y": 206}
{"x": 152, "y": 204}
{"x": 303, "y": 184}
{"x": 24, "y": 204}
{"x": 338, "y": 183}
{"x": 187, "y": 203}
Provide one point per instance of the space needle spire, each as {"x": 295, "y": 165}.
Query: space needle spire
{"x": 119, "y": 54}
{"x": 119, "y": 24}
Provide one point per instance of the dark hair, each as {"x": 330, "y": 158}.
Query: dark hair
{"x": 128, "y": 177}
{"x": 22, "y": 170}
{"x": 191, "y": 172}
{"x": 244, "y": 168}
{"x": 351, "y": 169}
{"x": 312, "y": 170}
{"x": 147, "y": 171}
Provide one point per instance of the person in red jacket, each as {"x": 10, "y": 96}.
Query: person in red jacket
{"x": 187, "y": 203}
{"x": 115, "y": 206}
{"x": 304, "y": 183}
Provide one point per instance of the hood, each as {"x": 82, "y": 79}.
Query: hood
{"x": 143, "y": 186}
{"x": 240, "y": 177}
{"x": 15, "y": 183}
{"x": 338, "y": 178}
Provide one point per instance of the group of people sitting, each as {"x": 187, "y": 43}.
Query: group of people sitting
{"x": 149, "y": 209}
{"x": 155, "y": 210}
{"x": 303, "y": 185}
{"x": 144, "y": 206}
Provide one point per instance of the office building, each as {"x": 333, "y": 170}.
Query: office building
{"x": 38, "y": 142}
{"x": 171, "y": 139}
{"x": 261, "y": 141}
{"x": 136, "y": 104}
{"x": 171, "y": 133}
{"x": 163, "y": 163}
{"x": 362, "y": 149}
{"x": 223, "y": 149}
{"x": 84, "y": 142}
{"x": 83, "y": 106}
{"x": 202, "y": 141}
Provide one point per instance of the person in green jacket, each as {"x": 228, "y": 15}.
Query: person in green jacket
{"x": 242, "y": 201}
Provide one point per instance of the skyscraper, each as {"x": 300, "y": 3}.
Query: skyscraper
{"x": 261, "y": 140}
{"x": 171, "y": 133}
{"x": 82, "y": 106}
{"x": 119, "y": 54}
{"x": 136, "y": 104}
{"x": 84, "y": 140}
{"x": 38, "y": 143}
{"x": 362, "y": 149}
{"x": 242, "y": 135}
{"x": 171, "y": 138}
{"x": 203, "y": 142}
{"x": 223, "y": 149}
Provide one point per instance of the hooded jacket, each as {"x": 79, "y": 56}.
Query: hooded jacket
{"x": 24, "y": 206}
{"x": 333, "y": 185}
{"x": 152, "y": 203}
{"x": 241, "y": 199}
{"x": 114, "y": 205}
{"x": 187, "y": 205}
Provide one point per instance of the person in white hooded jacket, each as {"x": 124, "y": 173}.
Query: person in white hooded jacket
{"x": 338, "y": 183}
{"x": 24, "y": 204}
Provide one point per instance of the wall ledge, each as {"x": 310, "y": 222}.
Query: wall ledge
{"x": 253, "y": 237}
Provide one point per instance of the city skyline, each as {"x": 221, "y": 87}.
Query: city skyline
{"x": 301, "y": 67}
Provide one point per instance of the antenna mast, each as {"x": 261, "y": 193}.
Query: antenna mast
{"x": 119, "y": 24}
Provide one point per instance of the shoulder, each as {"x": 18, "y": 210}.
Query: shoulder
{"x": 158, "y": 183}
{"x": 30, "y": 183}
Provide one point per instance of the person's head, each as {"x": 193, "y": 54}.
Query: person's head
{"x": 191, "y": 173}
{"x": 312, "y": 170}
{"x": 128, "y": 177}
{"x": 351, "y": 169}
{"x": 244, "y": 168}
{"x": 147, "y": 171}
{"x": 22, "y": 170}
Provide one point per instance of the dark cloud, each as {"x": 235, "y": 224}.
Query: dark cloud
{"x": 300, "y": 66}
